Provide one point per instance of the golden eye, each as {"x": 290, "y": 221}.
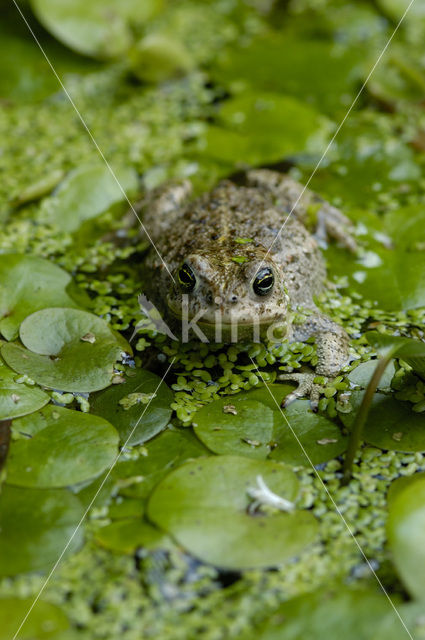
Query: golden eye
{"x": 186, "y": 278}
{"x": 263, "y": 282}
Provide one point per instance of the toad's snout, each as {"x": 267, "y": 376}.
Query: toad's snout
{"x": 221, "y": 301}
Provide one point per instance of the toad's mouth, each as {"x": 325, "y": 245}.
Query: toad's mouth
{"x": 225, "y": 320}
{"x": 263, "y": 322}
{"x": 225, "y": 325}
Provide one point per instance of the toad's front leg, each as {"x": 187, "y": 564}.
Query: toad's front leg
{"x": 332, "y": 351}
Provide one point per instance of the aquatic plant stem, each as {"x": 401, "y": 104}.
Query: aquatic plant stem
{"x": 360, "y": 419}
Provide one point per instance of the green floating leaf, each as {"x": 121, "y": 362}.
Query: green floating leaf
{"x": 251, "y": 424}
{"x": 391, "y": 628}
{"x": 396, "y": 8}
{"x": 398, "y": 261}
{"x": 132, "y": 480}
{"x": 60, "y": 447}
{"x": 410, "y": 350}
{"x": 406, "y": 525}
{"x": 45, "y": 621}
{"x": 67, "y": 349}
{"x": 87, "y": 192}
{"x": 17, "y": 398}
{"x": 320, "y": 438}
{"x": 236, "y": 425}
{"x": 403, "y": 274}
{"x": 293, "y": 63}
{"x": 361, "y": 375}
{"x": 404, "y": 277}
{"x": 125, "y": 508}
{"x": 128, "y": 406}
{"x": 101, "y": 29}
{"x": 36, "y": 524}
{"x": 157, "y": 58}
{"x": 388, "y": 347}
{"x": 371, "y": 150}
{"x": 125, "y": 536}
{"x": 327, "y": 614}
{"x": 400, "y": 484}
{"x": 38, "y": 189}
{"x": 391, "y": 424}
{"x": 25, "y": 76}
{"x": 399, "y": 78}
{"x": 377, "y": 159}
{"x": 254, "y": 129}
{"x": 204, "y": 506}
{"x": 406, "y": 226}
{"x": 27, "y": 284}
{"x": 22, "y": 74}
{"x": 167, "y": 451}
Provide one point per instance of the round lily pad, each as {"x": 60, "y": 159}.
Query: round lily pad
{"x": 204, "y": 506}
{"x": 254, "y": 129}
{"x": 361, "y": 375}
{"x": 101, "y": 29}
{"x": 321, "y": 439}
{"x": 406, "y": 525}
{"x": 391, "y": 628}
{"x": 58, "y": 447}
{"x": 88, "y": 191}
{"x": 45, "y": 621}
{"x": 391, "y": 424}
{"x": 157, "y": 58}
{"x": 18, "y": 398}
{"x": 38, "y": 189}
{"x": 252, "y": 424}
{"x": 236, "y": 425}
{"x": 27, "y": 284}
{"x": 167, "y": 451}
{"x": 400, "y": 267}
{"x": 135, "y": 478}
{"x": 411, "y": 350}
{"x": 396, "y": 8}
{"x": 124, "y": 508}
{"x": 67, "y": 349}
{"x": 327, "y": 614}
{"x": 291, "y": 61}
{"x": 402, "y": 483}
{"x": 36, "y": 524}
{"x": 141, "y": 400}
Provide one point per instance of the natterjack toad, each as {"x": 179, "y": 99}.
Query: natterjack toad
{"x": 236, "y": 274}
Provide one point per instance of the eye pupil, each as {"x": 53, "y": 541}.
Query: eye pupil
{"x": 264, "y": 281}
{"x": 186, "y": 278}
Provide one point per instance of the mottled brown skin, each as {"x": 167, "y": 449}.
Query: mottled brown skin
{"x": 206, "y": 234}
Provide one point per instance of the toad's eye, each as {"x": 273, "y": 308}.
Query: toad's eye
{"x": 186, "y": 278}
{"x": 263, "y": 282}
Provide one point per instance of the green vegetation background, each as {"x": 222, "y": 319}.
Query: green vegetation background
{"x": 200, "y": 90}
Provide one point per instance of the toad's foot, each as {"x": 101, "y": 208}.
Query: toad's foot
{"x": 307, "y": 388}
{"x": 331, "y": 223}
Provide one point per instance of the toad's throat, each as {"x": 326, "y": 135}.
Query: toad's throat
{"x": 225, "y": 328}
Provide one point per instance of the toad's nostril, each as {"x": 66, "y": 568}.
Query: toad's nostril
{"x": 233, "y": 298}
